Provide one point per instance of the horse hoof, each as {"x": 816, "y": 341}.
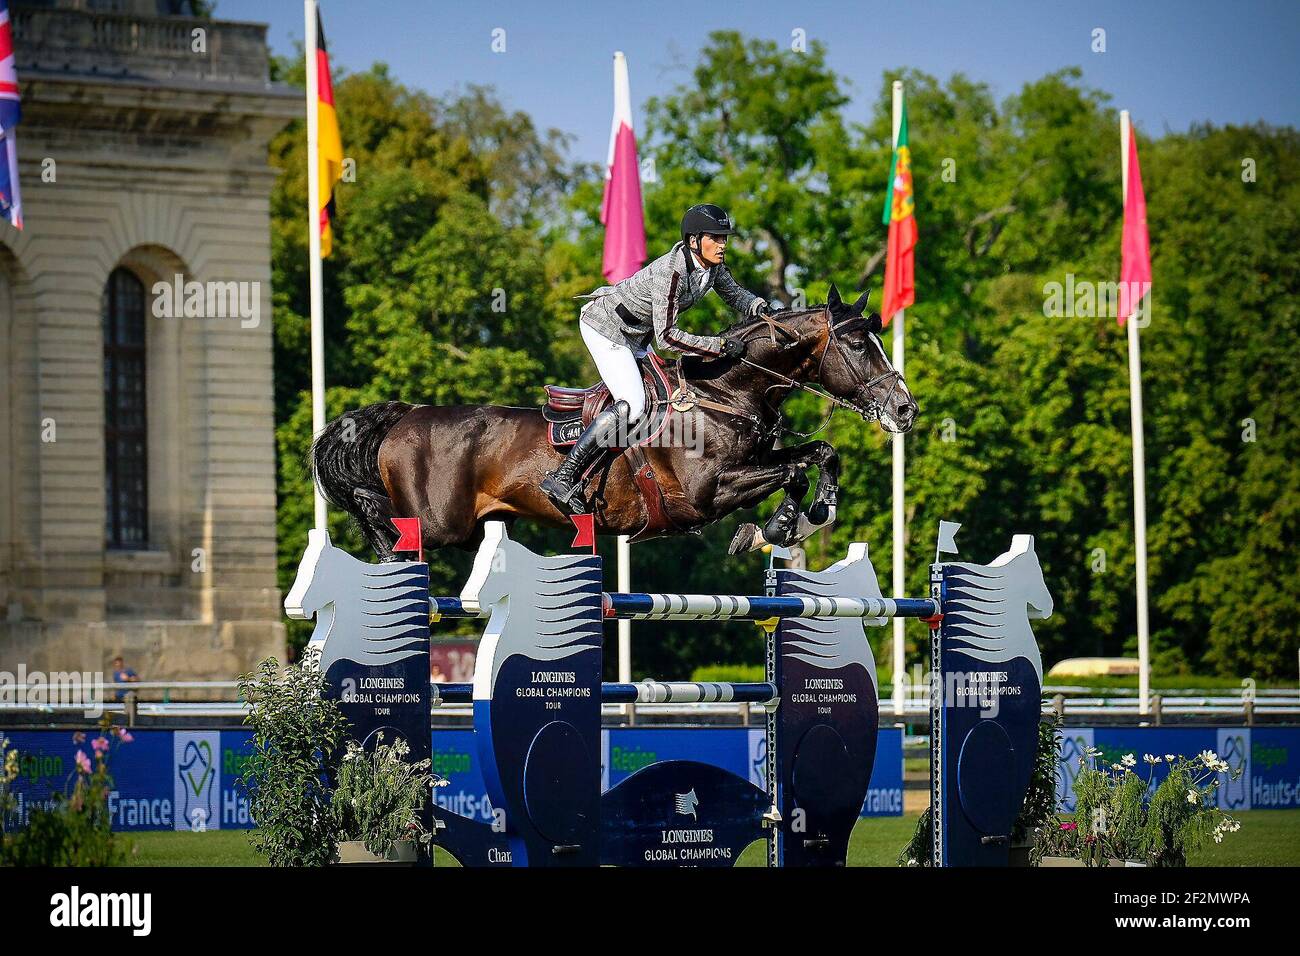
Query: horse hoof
{"x": 748, "y": 537}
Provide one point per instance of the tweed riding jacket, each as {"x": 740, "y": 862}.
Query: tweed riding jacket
{"x": 647, "y": 304}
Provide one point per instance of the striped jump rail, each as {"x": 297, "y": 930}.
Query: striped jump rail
{"x": 726, "y": 607}
{"x": 645, "y": 692}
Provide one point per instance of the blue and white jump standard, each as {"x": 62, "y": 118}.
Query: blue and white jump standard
{"x": 537, "y": 696}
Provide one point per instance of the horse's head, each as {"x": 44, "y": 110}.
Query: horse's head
{"x": 839, "y": 349}
{"x": 855, "y": 367}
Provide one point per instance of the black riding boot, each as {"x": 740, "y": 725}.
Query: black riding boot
{"x": 564, "y": 485}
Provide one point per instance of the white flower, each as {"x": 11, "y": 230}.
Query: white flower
{"x": 1128, "y": 760}
{"x": 1171, "y": 757}
{"x": 1116, "y": 766}
{"x": 1193, "y": 796}
{"x": 1208, "y": 757}
{"x": 1218, "y": 838}
{"x": 1222, "y": 766}
{"x": 1093, "y": 752}
{"x": 1153, "y": 760}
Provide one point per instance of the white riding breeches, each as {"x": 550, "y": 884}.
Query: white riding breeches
{"x": 618, "y": 369}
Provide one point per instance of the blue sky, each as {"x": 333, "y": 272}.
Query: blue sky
{"x": 1171, "y": 63}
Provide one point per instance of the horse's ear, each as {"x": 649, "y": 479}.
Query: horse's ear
{"x": 861, "y": 304}
{"x": 874, "y": 324}
{"x": 833, "y": 298}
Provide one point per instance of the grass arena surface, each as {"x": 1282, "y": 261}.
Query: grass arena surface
{"x": 1267, "y": 838}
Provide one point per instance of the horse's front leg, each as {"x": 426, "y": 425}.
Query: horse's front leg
{"x": 826, "y": 459}
{"x": 746, "y": 487}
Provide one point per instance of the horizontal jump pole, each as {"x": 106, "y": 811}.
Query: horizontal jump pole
{"x": 645, "y": 692}
{"x": 728, "y": 607}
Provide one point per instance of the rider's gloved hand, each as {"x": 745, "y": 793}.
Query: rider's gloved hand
{"x": 760, "y": 307}
{"x": 733, "y": 348}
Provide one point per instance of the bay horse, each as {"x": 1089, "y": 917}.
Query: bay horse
{"x": 455, "y": 467}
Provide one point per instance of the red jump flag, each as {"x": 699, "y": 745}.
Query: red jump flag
{"x": 409, "y": 537}
{"x": 586, "y": 536}
{"x": 1135, "y": 262}
{"x": 900, "y": 217}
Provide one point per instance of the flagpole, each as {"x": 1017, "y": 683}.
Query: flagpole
{"x": 624, "y": 552}
{"x": 1139, "y": 464}
{"x": 313, "y": 233}
{"x": 900, "y": 571}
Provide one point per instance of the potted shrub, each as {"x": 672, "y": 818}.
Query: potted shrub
{"x": 316, "y": 801}
{"x": 1120, "y": 821}
{"x": 377, "y": 802}
{"x": 296, "y": 733}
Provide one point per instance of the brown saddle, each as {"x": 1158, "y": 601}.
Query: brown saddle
{"x": 568, "y": 411}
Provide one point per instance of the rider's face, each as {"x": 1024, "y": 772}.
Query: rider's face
{"x": 713, "y": 249}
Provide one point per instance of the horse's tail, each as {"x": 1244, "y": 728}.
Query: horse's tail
{"x": 345, "y": 455}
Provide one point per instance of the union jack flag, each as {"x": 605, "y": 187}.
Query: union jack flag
{"x": 11, "y": 203}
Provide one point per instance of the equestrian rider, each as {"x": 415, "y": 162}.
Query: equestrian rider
{"x": 619, "y": 321}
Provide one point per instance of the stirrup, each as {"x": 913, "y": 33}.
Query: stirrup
{"x": 571, "y": 502}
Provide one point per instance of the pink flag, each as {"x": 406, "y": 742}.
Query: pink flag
{"x": 1135, "y": 265}
{"x": 620, "y": 210}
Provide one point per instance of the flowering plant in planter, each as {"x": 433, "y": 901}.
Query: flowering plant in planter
{"x": 378, "y": 796}
{"x": 1119, "y": 816}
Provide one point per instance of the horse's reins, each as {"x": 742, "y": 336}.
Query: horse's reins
{"x": 683, "y": 398}
{"x": 872, "y": 411}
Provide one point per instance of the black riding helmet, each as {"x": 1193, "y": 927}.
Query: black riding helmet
{"x": 706, "y": 217}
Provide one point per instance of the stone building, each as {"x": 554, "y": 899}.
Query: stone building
{"x": 137, "y": 457}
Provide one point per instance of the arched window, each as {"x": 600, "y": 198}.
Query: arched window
{"x": 126, "y": 448}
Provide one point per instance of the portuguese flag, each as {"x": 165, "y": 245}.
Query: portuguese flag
{"x": 329, "y": 150}
{"x": 900, "y": 217}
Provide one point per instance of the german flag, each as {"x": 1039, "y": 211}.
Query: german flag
{"x": 329, "y": 145}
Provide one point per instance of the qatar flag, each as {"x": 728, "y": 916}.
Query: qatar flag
{"x": 620, "y": 210}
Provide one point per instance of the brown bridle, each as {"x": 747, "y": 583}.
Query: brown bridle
{"x": 685, "y": 397}
{"x": 872, "y": 409}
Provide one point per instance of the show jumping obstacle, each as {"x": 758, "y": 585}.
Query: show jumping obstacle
{"x": 537, "y": 696}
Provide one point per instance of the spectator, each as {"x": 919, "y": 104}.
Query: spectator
{"x": 123, "y": 675}
{"x": 436, "y": 676}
